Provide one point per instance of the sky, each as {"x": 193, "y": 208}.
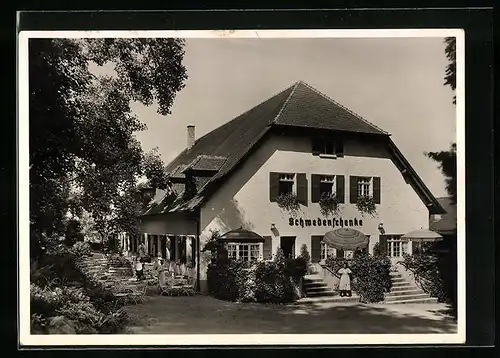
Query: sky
{"x": 396, "y": 84}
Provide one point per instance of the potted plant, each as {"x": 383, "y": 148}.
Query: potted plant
{"x": 288, "y": 202}
{"x": 329, "y": 204}
{"x": 366, "y": 205}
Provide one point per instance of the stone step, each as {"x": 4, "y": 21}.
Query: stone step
{"x": 407, "y": 297}
{"x": 398, "y": 279}
{"x": 326, "y": 299}
{"x": 318, "y": 289}
{"x": 403, "y": 287}
{"x": 414, "y": 300}
{"x": 401, "y": 283}
{"x": 307, "y": 285}
{"x": 321, "y": 293}
{"x": 404, "y": 292}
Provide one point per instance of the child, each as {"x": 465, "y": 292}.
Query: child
{"x": 139, "y": 269}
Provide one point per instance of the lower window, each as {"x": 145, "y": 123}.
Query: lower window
{"x": 244, "y": 251}
{"x": 396, "y": 247}
{"x": 327, "y": 251}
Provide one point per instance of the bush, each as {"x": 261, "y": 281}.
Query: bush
{"x": 81, "y": 249}
{"x": 434, "y": 269}
{"x": 377, "y": 250}
{"x": 372, "y": 277}
{"x": 274, "y": 281}
{"x": 304, "y": 253}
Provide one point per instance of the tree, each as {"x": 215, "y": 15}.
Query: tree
{"x": 448, "y": 159}
{"x": 450, "y": 77}
{"x": 448, "y": 164}
{"x": 84, "y": 155}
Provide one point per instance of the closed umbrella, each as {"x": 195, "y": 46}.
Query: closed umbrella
{"x": 346, "y": 239}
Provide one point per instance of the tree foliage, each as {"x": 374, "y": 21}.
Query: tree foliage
{"x": 448, "y": 164}
{"x": 450, "y": 78}
{"x": 84, "y": 155}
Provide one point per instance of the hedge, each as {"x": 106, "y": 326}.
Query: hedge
{"x": 276, "y": 281}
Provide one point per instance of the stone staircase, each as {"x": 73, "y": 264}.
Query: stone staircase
{"x": 317, "y": 291}
{"x": 404, "y": 291}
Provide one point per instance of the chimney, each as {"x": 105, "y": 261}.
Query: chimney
{"x": 190, "y": 136}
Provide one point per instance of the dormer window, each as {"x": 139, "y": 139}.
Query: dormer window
{"x": 327, "y": 147}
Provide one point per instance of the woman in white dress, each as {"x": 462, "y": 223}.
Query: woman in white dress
{"x": 159, "y": 267}
{"x": 345, "y": 281}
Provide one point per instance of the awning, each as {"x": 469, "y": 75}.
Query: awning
{"x": 241, "y": 235}
{"x": 422, "y": 235}
{"x": 346, "y": 239}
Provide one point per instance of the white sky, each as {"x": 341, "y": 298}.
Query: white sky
{"x": 397, "y": 84}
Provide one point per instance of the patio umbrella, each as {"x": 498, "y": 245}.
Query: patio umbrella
{"x": 241, "y": 235}
{"x": 422, "y": 235}
{"x": 346, "y": 239}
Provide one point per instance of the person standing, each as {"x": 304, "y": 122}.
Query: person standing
{"x": 345, "y": 281}
{"x": 159, "y": 267}
{"x": 141, "y": 249}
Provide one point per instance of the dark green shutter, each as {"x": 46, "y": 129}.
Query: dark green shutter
{"x": 376, "y": 190}
{"x": 273, "y": 186}
{"x": 267, "y": 251}
{"x": 316, "y": 248}
{"x": 353, "y": 190}
{"x": 315, "y": 188}
{"x": 339, "y": 147}
{"x": 340, "y": 190}
{"x": 302, "y": 188}
{"x": 194, "y": 242}
{"x": 383, "y": 244}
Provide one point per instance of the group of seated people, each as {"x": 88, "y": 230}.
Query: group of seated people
{"x": 161, "y": 266}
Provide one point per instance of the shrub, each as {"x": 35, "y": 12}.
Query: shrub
{"x": 81, "y": 249}
{"x": 372, "y": 277}
{"x": 274, "y": 281}
{"x": 304, "y": 253}
{"x": 335, "y": 263}
{"x": 432, "y": 273}
{"x": 377, "y": 250}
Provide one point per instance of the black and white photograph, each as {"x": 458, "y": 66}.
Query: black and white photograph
{"x": 242, "y": 187}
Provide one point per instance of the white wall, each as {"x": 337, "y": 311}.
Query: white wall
{"x": 243, "y": 199}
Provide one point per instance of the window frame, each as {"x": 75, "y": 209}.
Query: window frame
{"x": 320, "y": 146}
{"x": 235, "y": 247}
{"x": 287, "y": 178}
{"x": 325, "y": 251}
{"x": 393, "y": 242}
{"x": 364, "y": 182}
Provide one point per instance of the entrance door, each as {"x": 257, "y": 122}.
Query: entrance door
{"x": 288, "y": 246}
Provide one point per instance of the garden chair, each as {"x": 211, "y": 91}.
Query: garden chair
{"x": 167, "y": 285}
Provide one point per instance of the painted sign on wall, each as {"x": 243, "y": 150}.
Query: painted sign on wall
{"x": 337, "y": 222}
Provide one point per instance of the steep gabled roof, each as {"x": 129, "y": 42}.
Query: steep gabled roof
{"x": 298, "y": 106}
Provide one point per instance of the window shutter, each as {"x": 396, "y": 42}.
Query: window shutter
{"x": 340, "y": 253}
{"x": 353, "y": 190}
{"x": 383, "y": 244}
{"x": 376, "y": 190}
{"x": 316, "y": 248}
{"x": 267, "y": 251}
{"x": 340, "y": 190}
{"x": 339, "y": 148}
{"x": 194, "y": 242}
{"x": 273, "y": 186}
{"x": 315, "y": 188}
{"x": 302, "y": 188}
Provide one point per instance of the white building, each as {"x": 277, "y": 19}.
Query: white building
{"x": 298, "y": 141}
